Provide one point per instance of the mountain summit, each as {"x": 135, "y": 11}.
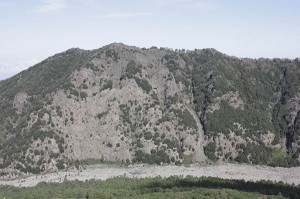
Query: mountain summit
{"x": 127, "y": 104}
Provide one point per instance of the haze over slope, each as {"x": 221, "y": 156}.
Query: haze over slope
{"x": 122, "y": 103}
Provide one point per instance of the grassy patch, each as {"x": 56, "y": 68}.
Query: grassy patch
{"x": 187, "y": 159}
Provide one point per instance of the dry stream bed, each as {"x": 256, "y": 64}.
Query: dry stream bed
{"x": 103, "y": 172}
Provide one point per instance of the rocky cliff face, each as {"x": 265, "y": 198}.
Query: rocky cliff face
{"x": 122, "y": 103}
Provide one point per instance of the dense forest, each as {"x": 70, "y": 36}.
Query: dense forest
{"x": 172, "y": 187}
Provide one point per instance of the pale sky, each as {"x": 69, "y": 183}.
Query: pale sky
{"x": 33, "y": 30}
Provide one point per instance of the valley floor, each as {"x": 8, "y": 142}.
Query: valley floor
{"x": 226, "y": 171}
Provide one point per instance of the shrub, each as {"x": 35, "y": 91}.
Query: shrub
{"x": 132, "y": 69}
{"x": 144, "y": 84}
{"x": 83, "y": 95}
{"x": 107, "y": 85}
{"x": 60, "y": 164}
{"x": 109, "y": 145}
{"x": 209, "y": 151}
{"x": 101, "y": 115}
{"x": 84, "y": 86}
{"x": 148, "y": 135}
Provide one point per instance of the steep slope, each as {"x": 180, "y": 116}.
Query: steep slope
{"x": 248, "y": 108}
{"x": 122, "y": 103}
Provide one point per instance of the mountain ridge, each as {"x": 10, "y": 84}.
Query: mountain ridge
{"x": 130, "y": 104}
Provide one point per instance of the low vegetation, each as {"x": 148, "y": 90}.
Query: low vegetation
{"x": 172, "y": 187}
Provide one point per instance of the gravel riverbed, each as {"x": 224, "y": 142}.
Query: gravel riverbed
{"x": 103, "y": 172}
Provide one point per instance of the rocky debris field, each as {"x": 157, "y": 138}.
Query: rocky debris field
{"x": 103, "y": 172}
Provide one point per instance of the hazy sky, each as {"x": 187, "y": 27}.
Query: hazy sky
{"x": 33, "y": 30}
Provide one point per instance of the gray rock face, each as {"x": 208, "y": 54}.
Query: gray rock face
{"x": 120, "y": 102}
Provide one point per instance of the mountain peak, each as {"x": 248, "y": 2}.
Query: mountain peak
{"x": 157, "y": 106}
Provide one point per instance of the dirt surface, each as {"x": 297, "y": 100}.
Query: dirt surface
{"x": 228, "y": 171}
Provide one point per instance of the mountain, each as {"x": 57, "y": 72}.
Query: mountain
{"x": 127, "y": 104}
